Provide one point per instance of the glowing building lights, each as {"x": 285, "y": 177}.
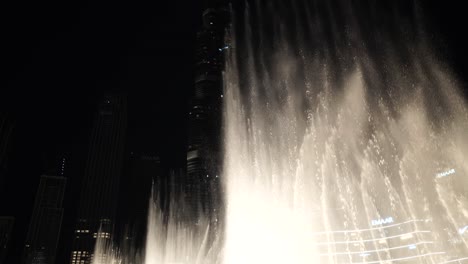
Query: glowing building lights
{"x": 101, "y": 235}
{"x": 377, "y": 222}
{"x": 224, "y": 48}
{"x": 445, "y": 173}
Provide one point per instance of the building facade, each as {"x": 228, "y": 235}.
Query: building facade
{"x": 100, "y": 186}
{"x": 46, "y": 221}
{"x": 204, "y": 155}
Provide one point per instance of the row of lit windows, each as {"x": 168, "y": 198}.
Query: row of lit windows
{"x": 101, "y": 235}
{"x": 81, "y": 231}
{"x": 80, "y": 253}
{"x": 77, "y": 257}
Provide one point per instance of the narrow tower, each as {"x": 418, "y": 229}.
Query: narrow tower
{"x": 99, "y": 194}
{"x": 204, "y": 156}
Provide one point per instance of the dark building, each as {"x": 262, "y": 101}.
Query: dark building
{"x": 141, "y": 170}
{"x": 100, "y": 186}
{"x": 6, "y": 228}
{"x": 46, "y": 220}
{"x": 204, "y": 156}
{"x": 6, "y": 129}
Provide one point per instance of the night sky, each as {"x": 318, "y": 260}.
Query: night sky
{"x": 59, "y": 57}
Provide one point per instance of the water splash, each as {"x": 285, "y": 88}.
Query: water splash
{"x": 171, "y": 239}
{"x": 332, "y": 131}
{"x": 178, "y": 241}
{"x": 339, "y": 124}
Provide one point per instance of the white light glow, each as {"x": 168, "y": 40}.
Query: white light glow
{"x": 446, "y": 173}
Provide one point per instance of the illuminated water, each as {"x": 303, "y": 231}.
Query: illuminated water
{"x": 346, "y": 141}
{"x": 169, "y": 241}
{"x": 341, "y": 146}
{"x": 177, "y": 242}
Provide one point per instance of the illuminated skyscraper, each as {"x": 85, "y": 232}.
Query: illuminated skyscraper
{"x": 46, "y": 220}
{"x": 204, "y": 155}
{"x": 99, "y": 195}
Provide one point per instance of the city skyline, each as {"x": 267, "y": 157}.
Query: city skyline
{"x": 59, "y": 71}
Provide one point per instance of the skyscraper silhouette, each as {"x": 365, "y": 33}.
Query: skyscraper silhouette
{"x": 204, "y": 157}
{"x": 44, "y": 228}
{"x": 99, "y": 195}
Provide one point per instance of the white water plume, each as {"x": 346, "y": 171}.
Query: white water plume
{"x": 345, "y": 142}
{"x": 105, "y": 252}
{"x": 169, "y": 240}
{"x": 336, "y": 140}
{"x": 178, "y": 242}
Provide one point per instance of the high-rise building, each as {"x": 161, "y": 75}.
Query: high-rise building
{"x": 6, "y": 228}
{"x": 46, "y": 220}
{"x": 204, "y": 157}
{"x": 100, "y": 186}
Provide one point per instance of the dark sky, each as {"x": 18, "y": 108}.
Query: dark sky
{"x": 447, "y": 21}
{"x": 58, "y": 57}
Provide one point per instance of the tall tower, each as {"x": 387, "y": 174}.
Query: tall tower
{"x": 99, "y": 194}
{"x": 44, "y": 228}
{"x": 204, "y": 156}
